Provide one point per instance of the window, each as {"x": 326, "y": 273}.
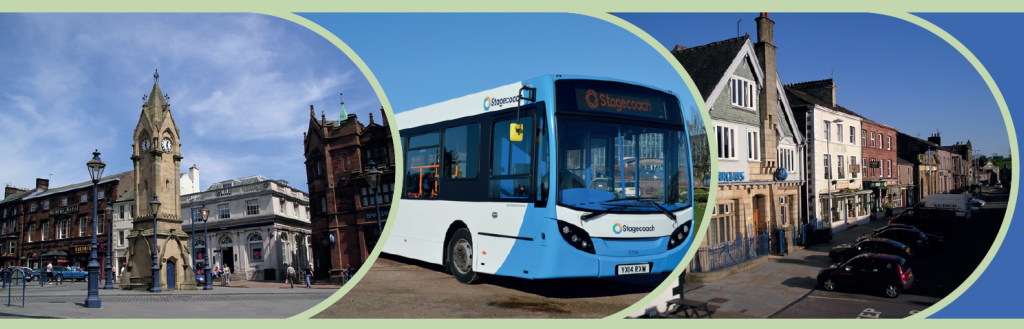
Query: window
{"x": 42, "y": 236}
{"x": 224, "y": 211}
{"x": 383, "y": 196}
{"x": 379, "y": 156}
{"x": 252, "y": 207}
{"x": 5, "y": 212}
{"x": 319, "y": 168}
{"x": 461, "y": 151}
{"x": 828, "y": 167}
{"x": 120, "y": 236}
{"x": 256, "y": 247}
{"x": 828, "y": 130}
{"x": 726, "y": 142}
{"x": 888, "y": 142}
{"x": 421, "y": 168}
{"x": 839, "y": 167}
{"x": 853, "y": 135}
{"x": 853, "y": 162}
{"x": 510, "y": 161}
{"x": 120, "y": 210}
{"x": 874, "y": 171}
{"x": 3, "y": 229}
{"x": 85, "y": 198}
{"x": 839, "y": 133}
{"x": 100, "y": 196}
{"x": 863, "y": 137}
{"x": 872, "y": 139}
{"x": 64, "y": 202}
{"x": 864, "y": 168}
{"x": 81, "y": 226}
{"x": 743, "y": 94}
{"x": 888, "y": 167}
{"x": 31, "y": 208}
{"x": 753, "y": 146}
{"x": 31, "y": 231}
{"x": 722, "y": 224}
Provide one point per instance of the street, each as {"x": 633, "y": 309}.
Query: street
{"x": 271, "y": 299}
{"x": 786, "y": 287}
{"x": 397, "y": 287}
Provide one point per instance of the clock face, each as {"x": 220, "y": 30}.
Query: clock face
{"x": 166, "y": 145}
{"x": 145, "y": 145}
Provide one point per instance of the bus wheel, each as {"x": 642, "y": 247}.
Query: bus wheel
{"x": 460, "y": 257}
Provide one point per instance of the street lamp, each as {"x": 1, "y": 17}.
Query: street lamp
{"x": 191, "y": 238}
{"x": 95, "y": 172}
{"x": 110, "y": 238}
{"x": 828, "y": 152}
{"x": 373, "y": 178}
{"x": 205, "y": 214}
{"x": 154, "y": 206}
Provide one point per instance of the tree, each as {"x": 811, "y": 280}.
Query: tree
{"x": 700, "y": 150}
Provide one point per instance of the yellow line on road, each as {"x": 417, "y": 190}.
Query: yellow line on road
{"x": 849, "y": 299}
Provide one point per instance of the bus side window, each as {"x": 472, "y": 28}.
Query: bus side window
{"x": 542, "y": 162}
{"x": 510, "y": 161}
{"x": 421, "y": 166}
{"x": 461, "y": 151}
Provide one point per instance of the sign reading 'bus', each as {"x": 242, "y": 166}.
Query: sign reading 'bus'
{"x": 597, "y": 100}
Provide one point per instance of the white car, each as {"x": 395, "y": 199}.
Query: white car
{"x": 977, "y": 202}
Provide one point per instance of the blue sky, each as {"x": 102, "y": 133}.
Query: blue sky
{"x": 240, "y": 88}
{"x": 421, "y": 59}
{"x": 886, "y": 69}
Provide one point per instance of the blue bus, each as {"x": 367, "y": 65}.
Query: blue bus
{"x": 552, "y": 177}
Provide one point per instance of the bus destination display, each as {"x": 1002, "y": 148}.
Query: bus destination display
{"x": 588, "y": 99}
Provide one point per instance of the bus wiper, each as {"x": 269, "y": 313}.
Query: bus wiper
{"x": 663, "y": 210}
{"x": 596, "y": 213}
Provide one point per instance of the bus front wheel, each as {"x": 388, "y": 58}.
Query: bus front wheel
{"x": 460, "y": 257}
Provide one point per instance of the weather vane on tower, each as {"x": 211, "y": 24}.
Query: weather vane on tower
{"x": 156, "y": 75}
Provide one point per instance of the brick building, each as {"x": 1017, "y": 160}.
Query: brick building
{"x": 879, "y": 166}
{"x": 342, "y": 212}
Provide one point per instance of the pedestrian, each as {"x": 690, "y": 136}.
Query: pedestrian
{"x": 344, "y": 275}
{"x": 308, "y": 273}
{"x": 291, "y": 275}
{"x": 350, "y": 272}
{"x": 49, "y": 272}
{"x": 227, "y": 275}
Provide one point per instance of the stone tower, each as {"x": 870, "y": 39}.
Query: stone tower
{"x": 156, "y": 155}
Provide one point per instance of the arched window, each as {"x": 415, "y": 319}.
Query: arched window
{"x": 225, "y": 239}
{"x": 256, "y": 247}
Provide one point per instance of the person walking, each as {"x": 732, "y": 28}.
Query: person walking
{"x": 49, "y": 272}
{"x": 227, "y": 275}
{"x": 309, "y": 276}
{"x": 291, "y": 275}
{"x": 344, "y": 275}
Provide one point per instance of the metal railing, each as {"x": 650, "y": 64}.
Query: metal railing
{"x": 716, "y": 257}
{"x": 810, "y": 232}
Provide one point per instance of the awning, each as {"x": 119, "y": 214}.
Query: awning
{"x": 55, "y": 253}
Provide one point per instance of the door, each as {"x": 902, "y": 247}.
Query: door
{"x": 759, "y": 218}
{"x": 227, "y": 254}
{"x": 171, "y": 269}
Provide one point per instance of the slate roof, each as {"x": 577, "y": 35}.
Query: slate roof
{"x": 87, "y": 183}
{"x": 814, "y": 100}
{"x": 16, "y": 196}
{"x": 707, "y": 64}
{"x": 901, "y": 162}
{"x": 238, "y": 182}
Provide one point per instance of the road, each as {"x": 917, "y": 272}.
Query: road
{"x": 936, "y": 275}
{"x": 397, "y": 287}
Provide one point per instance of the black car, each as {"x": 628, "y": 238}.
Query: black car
{"x": 913, "y": 238}
{"x": 928, "y": 219}
{"x": 843, "y": 252}
{"x": 873, "y": 272}
{"x": 935, "y": 240}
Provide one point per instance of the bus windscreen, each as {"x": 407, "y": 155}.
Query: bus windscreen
{"x": 598, "y": 100}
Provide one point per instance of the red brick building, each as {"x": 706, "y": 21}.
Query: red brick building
{"x": 879, "y": 165}
{"x": 342, "y": 212}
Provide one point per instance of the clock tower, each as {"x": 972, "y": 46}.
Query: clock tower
{"x": 156, "y": 154}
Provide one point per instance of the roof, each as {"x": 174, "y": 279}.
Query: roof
{"x": 902, "y": 162}
{"x": 237, "y": 182}
{"x": 813, "y": 100}
{"x": 16, "y": 196}
{"x": 87, "y": 183}
{"x": 707, "y": 64}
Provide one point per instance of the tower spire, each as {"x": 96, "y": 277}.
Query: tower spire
{"x": 344, "y": 115}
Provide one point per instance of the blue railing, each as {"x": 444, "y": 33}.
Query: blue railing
{"x": 782, "y": 241}
{"x": 810, "y": 232}
{"x": 716, "y": 257}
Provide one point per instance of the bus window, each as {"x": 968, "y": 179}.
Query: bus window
{"x": 510, "y": 161}
{"x": 542, "y": 162}
{"x": 461, "y": 151}
{"x": 421, "y": 172}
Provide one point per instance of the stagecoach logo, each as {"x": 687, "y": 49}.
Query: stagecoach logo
{"x": 631, "y": 105}
{"x": 488, "y": 101}
{"x": 618, "y": 228}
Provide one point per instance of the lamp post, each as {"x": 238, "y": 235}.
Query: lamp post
{"x": 110, "y": 238}
{"x": 373, "y": 178}
{"x": 191, "y": 238}
{"x": 828, "y": 152}
{"x": 95, "y": 172}
{"x": 205, "y": 214}
{"x": 154, "y": 206}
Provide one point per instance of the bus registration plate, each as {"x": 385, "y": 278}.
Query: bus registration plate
{"x": 627, "y": 269}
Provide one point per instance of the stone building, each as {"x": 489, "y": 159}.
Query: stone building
{"x": 905, "y": 198}
{"x": 879, "y": 166}
{"x": 255, "y": 225}
{"x": 342, "y": 213}
{"x": 834, "y": 191}
{"x": 927, "y": 158}
{"x": 11, "y": 225}
{"x": 963, "y": 167}
{"x": 760, "y": 158}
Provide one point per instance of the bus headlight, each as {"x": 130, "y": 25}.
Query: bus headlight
{"x": 576, "y": 237}
{"x": 679, "y": 235}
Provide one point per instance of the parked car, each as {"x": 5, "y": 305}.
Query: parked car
{"x": 934, "y": 240}
{"x": 843, "y": 252}
{"x": 912, "y": 237}
{"x": 886, "y": 273}
{"x": 958, "y": 202}
{"x": 9, "y": 271}
{"x": 937, "y": 220}
{"x": 977, "y": 202}
{"x": 74, "y": 273}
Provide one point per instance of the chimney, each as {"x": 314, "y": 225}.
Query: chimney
{"x": 935, "y": 139}
{"x": 312, "y": 114}
{"x": 193, "y": 173}
{"x": 824, "y": 90}
{"x": 11, "y": 190}
{"x": 769, "y": 94}
{"x": 42, "y": 183}
{"x": 384, "y": 117}
{"x": 371, "y": 118}
{"x": 678, "y": 48}
{"x": 765, "y": 29}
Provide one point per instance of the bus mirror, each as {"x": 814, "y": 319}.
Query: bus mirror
{"x": 515, "y": 132}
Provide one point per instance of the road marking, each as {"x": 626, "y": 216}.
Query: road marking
{"x": 847, "y": 299}
{"x": 869, "y": 313}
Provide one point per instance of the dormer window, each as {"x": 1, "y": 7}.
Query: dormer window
{"x": 744, "y": 93}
